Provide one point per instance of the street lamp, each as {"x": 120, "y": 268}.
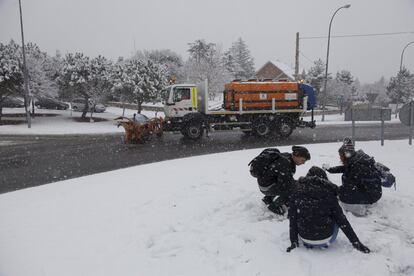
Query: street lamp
{"x": 327, "y": 60}
{"x": 25, "y": 77}
{"x": 401, "y": 64}
{"x": 402, "y": 53}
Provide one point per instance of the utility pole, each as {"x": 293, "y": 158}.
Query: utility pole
{"x": 297, "y": 57}
{"x": 25, "y": 75}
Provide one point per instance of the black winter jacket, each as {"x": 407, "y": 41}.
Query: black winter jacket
{"x": 279, "y": 177}
{"x": 361, "y": 182}
{"x": 314, "y": 211}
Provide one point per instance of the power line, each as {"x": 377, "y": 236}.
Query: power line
{"x": 357, "y": 35}
{"x": 306, "y": 58}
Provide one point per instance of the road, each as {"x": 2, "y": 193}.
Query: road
{"x": 28, "y": 161}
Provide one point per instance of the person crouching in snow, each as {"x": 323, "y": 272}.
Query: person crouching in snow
{"x": 361, "y": 184}
{"x": 278, "y": 182}
{"x": 315, "y": 215}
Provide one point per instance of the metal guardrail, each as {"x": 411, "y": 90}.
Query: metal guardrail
{"x": 319, "y": 112}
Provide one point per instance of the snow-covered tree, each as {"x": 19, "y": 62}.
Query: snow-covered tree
{"x": 157, "y": 78}
{"x": 401, "y": 87}
{"x": 238, "y": 60}
{"x": 172, "y": 62}
{"x": 52, "y": 67}
{"x": 75, "y": 75}
{"x": 316, "y": 75}
{"x": 379, "y": 87}
{"x": 89, "y": 79}
{"x": 341, "y": 89}
{"x": 345, "y": 77}
{"x": 139, "y": 81}
{"x": 121, "y": 88}
{"x": 201, "y": 51}
{"x": 11, "y": 77}
{"x": 342, "y": 84}
{"x": 40, "y": 83}
{"x": 206, "y": 62}
{"x": 99, "y": 79}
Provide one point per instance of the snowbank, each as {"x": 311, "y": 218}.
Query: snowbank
{"x": 196, "y": 216}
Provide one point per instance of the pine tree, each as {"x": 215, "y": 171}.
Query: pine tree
{"x": 206, "y": 62}
{"x": 201, "y": 51}
{"x": 401, "y": 87}
{"x": 345, "y": 77}
{"x": 316, "y": 75}
{"x": 238, "y": 60}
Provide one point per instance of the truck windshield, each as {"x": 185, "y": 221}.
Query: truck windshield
{"x": 182, "y": 93}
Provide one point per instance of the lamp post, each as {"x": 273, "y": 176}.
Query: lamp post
{"x": 401, "y": 64}
{"x": 25, "y": 78}
{"x": 327, "y": 61}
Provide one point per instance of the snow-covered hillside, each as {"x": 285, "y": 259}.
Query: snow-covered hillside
{"x": 196, "y": 216}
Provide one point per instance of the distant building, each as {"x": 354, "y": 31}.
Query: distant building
{"x": 276, "y": 70}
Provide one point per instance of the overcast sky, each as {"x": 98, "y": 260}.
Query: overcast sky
{"x": 116, "y": 28}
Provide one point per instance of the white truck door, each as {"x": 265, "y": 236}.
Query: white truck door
{"x": 183, "y": 103}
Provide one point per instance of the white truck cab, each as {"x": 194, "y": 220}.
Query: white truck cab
{"x": 180, "y": 100}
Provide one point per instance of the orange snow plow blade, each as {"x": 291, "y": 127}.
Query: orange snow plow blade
{"x": 139, "y": 133}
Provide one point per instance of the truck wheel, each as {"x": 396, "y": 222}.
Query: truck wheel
{"x": 284, "y": 128}
{"x": 194, "y": 130}
{"x": 262, "y": 128}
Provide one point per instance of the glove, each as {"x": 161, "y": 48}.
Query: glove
{"x": 277, "y": 209}
{"x": 292, "y": 246}
{"x": 326, "y": 166}
{"x": 359, "y": 246}
{"x": 268, "y": 199}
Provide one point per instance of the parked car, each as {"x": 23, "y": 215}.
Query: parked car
{"x": 99, "y": 108}
{"x": 50, "y": 103}
{"x": 78, "y": 104}
{"x": 12, "y": 102}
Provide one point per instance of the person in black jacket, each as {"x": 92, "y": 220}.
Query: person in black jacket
{"x": 315, "y": 215}
{"x": 361, "y": 183}
{"x": 277, "y": 180}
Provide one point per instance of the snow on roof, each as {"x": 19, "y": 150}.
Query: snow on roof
{"x": 288, "y": 70}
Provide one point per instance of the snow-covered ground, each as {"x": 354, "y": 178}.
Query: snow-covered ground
{"x": 64, "y": 122}
{"x": 196, "y": 216}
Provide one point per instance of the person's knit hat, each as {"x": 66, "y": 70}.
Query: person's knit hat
{"x": 348, "y": 147}
{"x": 316, "y": 171}
{"x": 301, "y": 151}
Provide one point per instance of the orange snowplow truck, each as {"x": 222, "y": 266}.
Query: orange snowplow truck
{"x": 262, "y": 108}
